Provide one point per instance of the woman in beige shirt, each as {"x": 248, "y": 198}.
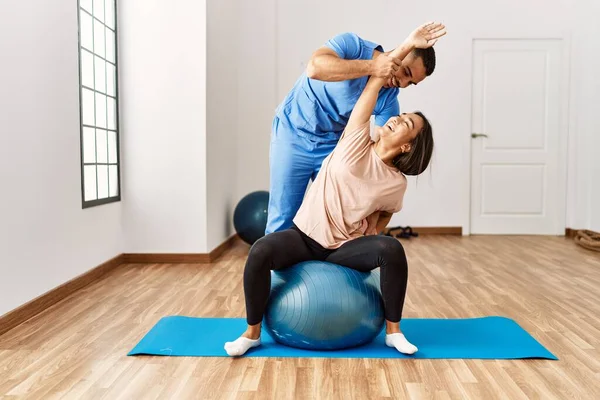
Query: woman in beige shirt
{"x": 360, "y": 185}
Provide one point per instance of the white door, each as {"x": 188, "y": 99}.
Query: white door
{"x": 518, "y": 167}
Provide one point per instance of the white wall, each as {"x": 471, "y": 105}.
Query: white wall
{"x": 594, "y": 198}
{"x": 182, "y": 174}
{"x": 441, "y": 196}
{"x": 162, "y": 59}
{"x": 257, "y": 94}
{"x": 584, "y": 178}
{"x": 595, "y": 195}
{"x": 591, "y": 106}
{"x": 242, "y": 39}
{"x": 46, "y": 238}
{"x": 223, "y": 62}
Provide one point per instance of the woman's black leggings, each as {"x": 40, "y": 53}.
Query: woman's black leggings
{"x": 280, "y": 250}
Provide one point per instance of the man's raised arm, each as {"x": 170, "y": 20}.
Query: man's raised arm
{"x": 339, "y": 61}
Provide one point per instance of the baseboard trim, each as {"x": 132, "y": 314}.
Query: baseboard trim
{"x": 219, "y": 250}
{"x": 30, "y": 309}
{"x": 439, "y": 230}
{"x": 434, "y": 230}
{"x": 570, "y": 232}
{"x": 166, "y": 258}
{"x": 179, "y": 258}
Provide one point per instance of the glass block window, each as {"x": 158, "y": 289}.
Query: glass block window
{"x": 99, "y": 105}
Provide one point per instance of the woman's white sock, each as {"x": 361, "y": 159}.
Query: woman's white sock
{"x": 398, "y": 341}
{"x": 240, "y": 346}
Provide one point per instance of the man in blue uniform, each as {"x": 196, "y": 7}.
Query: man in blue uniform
{"x": 310, "y": 120}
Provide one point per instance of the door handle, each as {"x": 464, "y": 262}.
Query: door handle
{"x": 476, "y": 135}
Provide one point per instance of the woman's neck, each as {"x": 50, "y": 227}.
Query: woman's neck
{"x": 384, "y": 153}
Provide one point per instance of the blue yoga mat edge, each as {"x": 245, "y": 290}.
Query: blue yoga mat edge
{"x": 180, "y": 335}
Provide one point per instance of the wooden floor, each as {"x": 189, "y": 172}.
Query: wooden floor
{"x": 77, "y": 349}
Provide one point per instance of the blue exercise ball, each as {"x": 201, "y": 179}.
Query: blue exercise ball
{"x": 250, "y": 216}
{"x": 323, "y": 306}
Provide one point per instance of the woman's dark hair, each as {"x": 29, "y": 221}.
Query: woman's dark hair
{"x": 417, "y": 159}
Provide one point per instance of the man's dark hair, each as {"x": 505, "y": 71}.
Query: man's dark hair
{"x": 428, "y": 57}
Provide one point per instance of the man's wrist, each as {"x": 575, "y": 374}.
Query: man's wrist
{"x": 370, "y": 67}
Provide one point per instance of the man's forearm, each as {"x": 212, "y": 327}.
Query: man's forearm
{"x": 333, "y": 69}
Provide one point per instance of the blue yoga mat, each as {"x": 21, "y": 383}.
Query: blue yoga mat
{"x": 482, "y": 338}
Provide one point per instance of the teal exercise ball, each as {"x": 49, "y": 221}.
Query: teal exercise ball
{"x": 250, "y": 216}
{"x": 318, "y": 305}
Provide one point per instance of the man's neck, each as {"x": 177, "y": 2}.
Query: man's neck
{"x": 376, "y": 53}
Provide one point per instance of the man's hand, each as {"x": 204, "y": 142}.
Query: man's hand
{"x": 385, "y": 66}
{"x": 426, "y": 35}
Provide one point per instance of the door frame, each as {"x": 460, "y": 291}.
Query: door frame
{"x": 564, "y": 36}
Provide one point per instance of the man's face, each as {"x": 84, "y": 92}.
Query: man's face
{"x": 411, "y": 72}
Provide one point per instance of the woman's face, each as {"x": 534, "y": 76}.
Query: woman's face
{"x": 400, "y": 131}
